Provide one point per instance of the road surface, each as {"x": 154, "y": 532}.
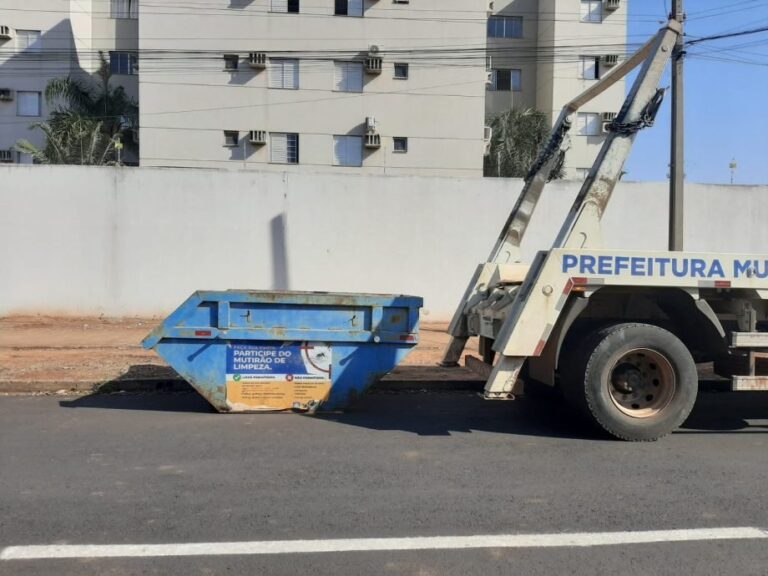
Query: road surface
{"x": 213, "y": 492}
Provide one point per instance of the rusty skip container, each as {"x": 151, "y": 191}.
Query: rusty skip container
{"x": 253, "y": 351}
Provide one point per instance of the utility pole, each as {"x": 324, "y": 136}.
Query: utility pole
{"x": 677, "y": 161}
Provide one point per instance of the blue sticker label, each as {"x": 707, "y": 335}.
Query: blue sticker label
{"x": 294, "y": 359}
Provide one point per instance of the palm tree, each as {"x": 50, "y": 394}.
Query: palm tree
{"x": 518, "y": 136}
{"x": 87, "y": 121}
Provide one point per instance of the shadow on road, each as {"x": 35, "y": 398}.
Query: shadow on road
{"x": 719, "y": 411}
{"x": 144, "y": 387}
{"x": 408, "y": 406}
{"x": 445, "y": 413}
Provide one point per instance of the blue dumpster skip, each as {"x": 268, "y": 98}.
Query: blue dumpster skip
{"x": 251, "y": 351}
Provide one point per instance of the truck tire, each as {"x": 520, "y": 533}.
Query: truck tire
{"x": 638, "y": 382}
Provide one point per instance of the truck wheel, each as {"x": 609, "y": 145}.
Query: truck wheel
{"x": 636, "y": 381}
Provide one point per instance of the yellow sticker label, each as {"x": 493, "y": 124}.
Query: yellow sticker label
{"x": 276, "y": 395}
{"x": 268, "y": 377}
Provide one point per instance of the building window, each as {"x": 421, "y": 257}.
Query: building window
{"x": 592, "y": 11}
{"x": 289, "y": 6}
{"x": 231, "y": 61}
{"x": 124, "y": 63}
{"x": 590, "y": 67}
{"x": 349, "y": 8}
{"x": 401, "y": 71}
{"x": 284, "y": 148}
{"x": 28, "y": 103}
{"x": 22, "y": 158}
{"x": 505, "y": 27}
{"x": 124, "y": 9}
{"x": 29, "y": 41}
{"x": 284, "y": 73}
{"x": 347, "y": 150}
{"x": 506, "y": 80}
{"x": 582, "y": 173}
{"x": 400, "y": 144}
{"x": 348, "y": 76}
{"x": 588, "y": 124}
{"x": 231, "y": 138}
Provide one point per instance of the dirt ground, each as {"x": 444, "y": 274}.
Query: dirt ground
{"x": 73, "y": 352}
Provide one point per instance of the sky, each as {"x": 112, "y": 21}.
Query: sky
{"x": 726, "y": 94}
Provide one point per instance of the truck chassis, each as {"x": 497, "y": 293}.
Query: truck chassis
{"x": 618, "y": 332}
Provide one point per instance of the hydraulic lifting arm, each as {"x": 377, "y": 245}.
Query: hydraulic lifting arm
{"x": 581, "y": 228}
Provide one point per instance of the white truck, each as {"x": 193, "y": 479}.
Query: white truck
{"x": 618, "y": 332}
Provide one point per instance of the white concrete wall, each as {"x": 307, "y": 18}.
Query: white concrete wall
{"x": 138, "y": 241}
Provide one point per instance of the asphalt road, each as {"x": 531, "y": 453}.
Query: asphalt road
{"x": 164, "y": 469}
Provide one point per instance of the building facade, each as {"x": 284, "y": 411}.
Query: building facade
{"x": 374, "y": 86}
{"x": 542, "y": 53}
{"x": 45, "y": 39}
{"x": 325, "y": 85}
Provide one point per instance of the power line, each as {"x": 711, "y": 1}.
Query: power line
{"x": 729, "y": 35}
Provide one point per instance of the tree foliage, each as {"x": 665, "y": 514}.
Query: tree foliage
{"x": 88, "y": 118}
{"x": 518, "y": 136}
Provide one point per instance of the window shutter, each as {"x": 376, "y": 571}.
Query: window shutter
{"x": 291, "y": 74}
{"x": 594, "y": 125}
{"x": 28, "y": 103}
{"x": 28, "y": 40}
{"x": 340, "y": 76}
{"x": 279, "y": 148}
{"x": 596, "y": 11}
{"x": 355, "y": 151}
{"x": 355, "y": 8}
{"x": 347, "y": 151}
{"x": 355, "y": 83}
{"x": 588, "y": 67}
{"x": 584, "y": 10}
{"x": 276, "y": 74}
{"x": 338, "y": 151}
{"x": 279, "y": 5}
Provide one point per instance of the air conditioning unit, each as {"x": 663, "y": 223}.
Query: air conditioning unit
{"x": 610, "y": 59}
{"x": 487, "y": 136}
{"x": 374, "y": 62}
{"x": 257, "y": 137}
{"x": 6, "y": 156}
{"x": 372, "y": 136}
{"x": 5, "y": 33}
{"x": 608, "y": 119}
{"x": 6, "y": 95}
{"x": 612, "y": 4}
{"x": 373, "y": 141}
{"x": 257, "y": 60}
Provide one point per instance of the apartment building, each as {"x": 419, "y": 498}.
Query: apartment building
{"x": 45, "y": 39}
{"x": 541, "y": 53}
{"x": 322, "y": 85}
{"x": 378, "y": 86}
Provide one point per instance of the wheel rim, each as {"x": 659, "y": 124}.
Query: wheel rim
{"x": 642, "y": 383}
